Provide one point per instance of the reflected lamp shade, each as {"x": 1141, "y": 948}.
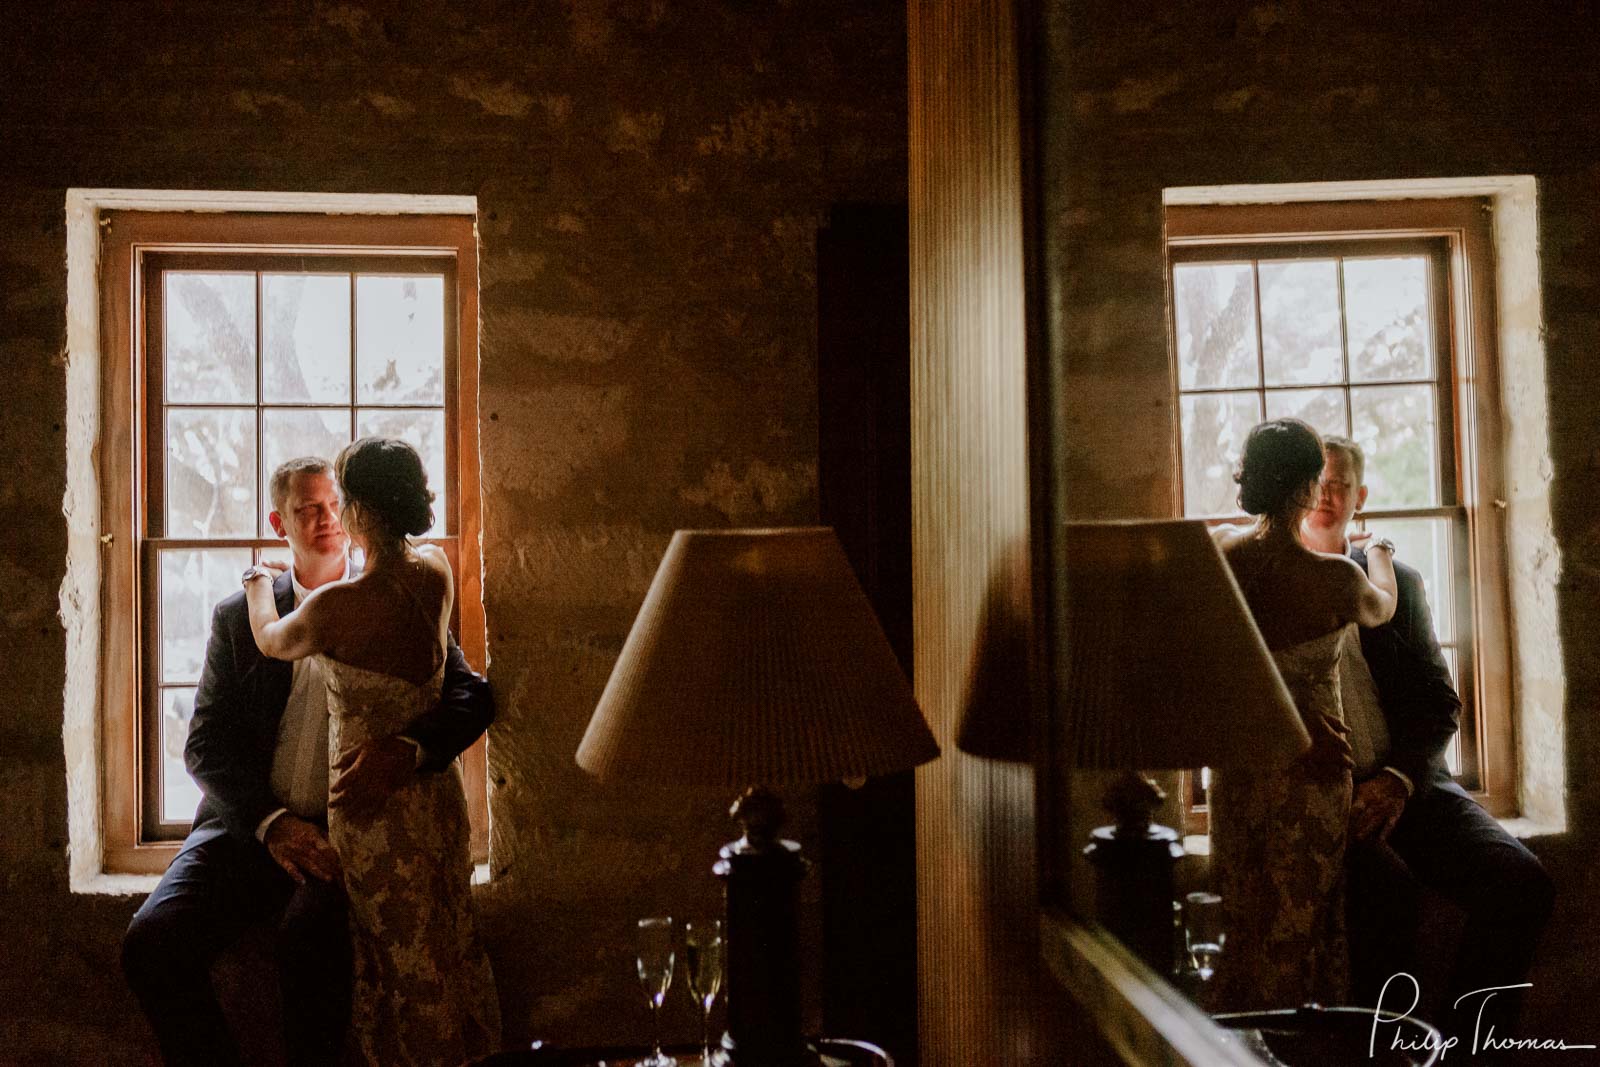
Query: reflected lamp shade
{"x": 1165, "y": 668}
{"x": 755, "y": 659}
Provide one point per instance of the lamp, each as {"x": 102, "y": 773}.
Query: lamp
{"x": 1165, "y": 670}
{"x": 755, "y": 661}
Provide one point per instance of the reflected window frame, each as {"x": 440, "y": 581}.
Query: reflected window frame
{"x": 1455, "y": 237}
{"x": 140, "y": 249}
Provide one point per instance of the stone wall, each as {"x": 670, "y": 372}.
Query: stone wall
{"x": 1139, "y": 96}
{"x": 650, "y": 177}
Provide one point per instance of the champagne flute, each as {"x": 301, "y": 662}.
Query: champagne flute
{"x": 702, "y": 950}
{"x": 656, "y": 957}
{"x": 1203, "y": 931}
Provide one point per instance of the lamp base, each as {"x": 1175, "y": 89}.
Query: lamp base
{"x": 761, "y": 874}
{"x": 1133, "y": 888}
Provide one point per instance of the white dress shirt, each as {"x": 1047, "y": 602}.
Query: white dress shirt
{"x": 1363, "y": 711}
{"x": 300, "y": 759}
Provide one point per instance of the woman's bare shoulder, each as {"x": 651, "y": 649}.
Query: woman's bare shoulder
{"x": 1228, "y": 536}
{"x": 436, "y": 561}
{"x": 334, "y": 596}
{"x": 1342, "y": 567}
{"x": 330, "y": 609}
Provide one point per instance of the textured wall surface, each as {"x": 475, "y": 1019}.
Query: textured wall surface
{"x": 650, "y": 177}
{"x": 1144, "y": 95}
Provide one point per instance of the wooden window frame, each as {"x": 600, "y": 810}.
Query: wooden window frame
{"x": 1461, "y": 230}
{"x": 134, "y": 245}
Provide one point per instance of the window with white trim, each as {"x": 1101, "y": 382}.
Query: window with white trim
{"x": 234, "y": 342}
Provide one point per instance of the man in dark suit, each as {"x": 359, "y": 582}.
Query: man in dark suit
{"x": 258, "y": 851}
{"x": 1411, "y": 824}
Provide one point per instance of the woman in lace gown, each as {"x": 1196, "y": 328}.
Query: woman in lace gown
{"x": 1278, "y": 833}
{"x": 423, "y": 991}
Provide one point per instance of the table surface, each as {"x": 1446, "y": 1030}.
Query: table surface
{"x": 834, "y": 1052}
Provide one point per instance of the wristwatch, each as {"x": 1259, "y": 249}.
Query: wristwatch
{"x": 1384, "y": 543}
{"x": 256, "y": 571}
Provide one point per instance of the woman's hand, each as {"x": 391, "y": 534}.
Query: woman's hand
{"x": 1376, "y": 589}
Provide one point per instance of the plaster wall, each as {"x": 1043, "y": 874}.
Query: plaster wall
{"x": 650, "y": 177}
{"x": 1143, "y": 96}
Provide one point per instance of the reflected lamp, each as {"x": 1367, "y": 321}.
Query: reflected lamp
{"x": 1164, "y": 670}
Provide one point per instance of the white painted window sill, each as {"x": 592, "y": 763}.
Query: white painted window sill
{"x": 1522, "y": 829}
{"x": 128, "y": 885}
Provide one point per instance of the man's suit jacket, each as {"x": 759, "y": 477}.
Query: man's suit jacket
{"x": 241, "y": 699}
{"x": 1419, "y": 701}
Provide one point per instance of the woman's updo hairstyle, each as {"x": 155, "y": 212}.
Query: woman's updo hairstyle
{"x": 1280, "y": 457}
{"x": 384, "y": 475}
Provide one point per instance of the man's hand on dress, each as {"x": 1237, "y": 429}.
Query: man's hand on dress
{"x": 369, "y": 773}
{"x": 1376, "y": 806}
{"x": 1330, "y": 754}
{"x": 301, "y": 849}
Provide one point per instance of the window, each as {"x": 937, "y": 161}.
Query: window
{"x": 234, "y": 343}
{"x": 1372, "y": 321}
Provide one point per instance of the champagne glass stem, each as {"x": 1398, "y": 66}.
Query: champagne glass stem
{"x": 705, "y": 1032}
{"x": 655, "y": 1028}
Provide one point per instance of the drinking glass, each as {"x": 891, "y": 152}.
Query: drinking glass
{"x": 656, "y": 957}
{"x": 702, "y": 951}
{"x": 1203, "y": 933}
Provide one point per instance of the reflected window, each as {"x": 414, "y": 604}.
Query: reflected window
{"x": 1376, "y": 334}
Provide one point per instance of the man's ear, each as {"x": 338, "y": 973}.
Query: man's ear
{"x": 1361, "y": 498}
{"x": 276, "y": 521}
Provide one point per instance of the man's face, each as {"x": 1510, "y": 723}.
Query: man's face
{"x": 310, "y": 518}
{"x": 1340, "y": 497}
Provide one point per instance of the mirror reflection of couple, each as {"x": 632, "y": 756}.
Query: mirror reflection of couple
{"x": 1351, "y": 635}
{"x": 363, "y": 874}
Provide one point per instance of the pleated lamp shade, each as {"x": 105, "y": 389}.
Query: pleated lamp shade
{"x": 1165, "y": 668}
{"x": 756, "y": 659}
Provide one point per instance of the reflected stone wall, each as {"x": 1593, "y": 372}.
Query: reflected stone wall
{"x": 650, "y": 177}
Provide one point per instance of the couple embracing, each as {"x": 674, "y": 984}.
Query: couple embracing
{"x": 1377, "y": 700}
{"x": 364, "y": 872}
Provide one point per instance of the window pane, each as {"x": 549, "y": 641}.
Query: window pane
{"x": 1214, "y": 429}
{"x": 1386, "y": 310}
{"x": 305, "y": 333}
{"x": 179, "y": 795}
{"x": 424, "y": 431}
{"x": 1300, "y": 323}
{"x": 1322, "y": 408}
{"x": 1216, "y": 314}
{"x": 209, "y": 337}
{"x": 1452, "y": 751}
{"x": 211, "y": 473}
{"x": 293, "y": 433}
{"x": 400, "y": 339}
{"x": 1395, "y": 426}
{"x": 1425, "y": 545}
{"x": 192, "y": 581}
